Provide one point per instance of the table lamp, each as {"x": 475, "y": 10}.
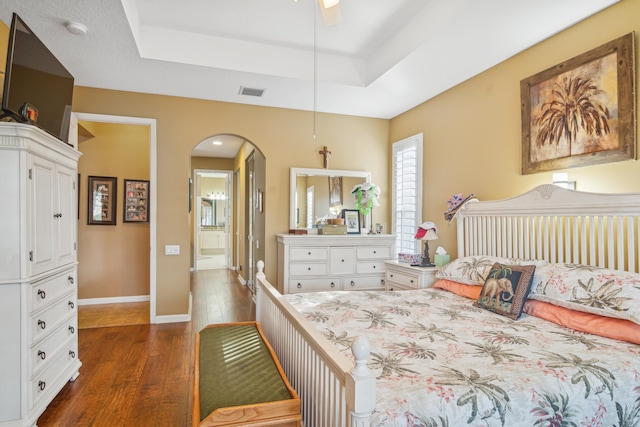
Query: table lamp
{"x": 426, "y": 231}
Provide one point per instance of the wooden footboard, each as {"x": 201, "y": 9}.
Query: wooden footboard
{"x": 332, "y": 391}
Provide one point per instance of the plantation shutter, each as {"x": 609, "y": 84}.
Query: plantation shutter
{"x": 407, "y": 193}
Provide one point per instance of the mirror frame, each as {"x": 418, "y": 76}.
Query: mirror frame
{"x": 321, "y": 172}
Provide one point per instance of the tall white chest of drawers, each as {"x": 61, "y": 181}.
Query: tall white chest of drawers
{"x": 38, "y": 271}
{"x": 312, "y": 263}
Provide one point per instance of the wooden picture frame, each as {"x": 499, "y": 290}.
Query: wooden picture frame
{"x": 135, "y": 207}
{"x": 352, "y": 220}
{"x": 335, "y": 191}
{"x": 581, "y": 112}
{"x": 101, "y": 205}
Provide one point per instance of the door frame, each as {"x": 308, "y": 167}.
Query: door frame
{"x": 151, "y": 123}
{"x": 228, "y": 229}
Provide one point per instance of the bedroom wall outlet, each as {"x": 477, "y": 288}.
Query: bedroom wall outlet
{"x": 172, "y": 250}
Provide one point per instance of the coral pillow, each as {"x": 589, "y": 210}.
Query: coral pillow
{"x": 464, "y": 290}
{"x": 619, "y": 329}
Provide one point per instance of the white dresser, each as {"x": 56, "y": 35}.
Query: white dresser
{"x": 38, "y": 271}
{"x": 311, "y": 263}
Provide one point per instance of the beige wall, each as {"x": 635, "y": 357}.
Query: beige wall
{"x": 113, "y": 260}
{"x": 285, "y": 138}
{"x": 472, "y": 133}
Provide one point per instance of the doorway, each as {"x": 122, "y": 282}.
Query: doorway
{"x": 213, "y": 190}
{"x": 151, "y": 124}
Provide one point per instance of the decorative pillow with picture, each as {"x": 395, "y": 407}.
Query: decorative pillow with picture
{"x": 506, "y": 288}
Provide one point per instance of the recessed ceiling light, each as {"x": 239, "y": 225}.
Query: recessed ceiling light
{"x": 217, "y": 143}
{"x": 76, "y": 28}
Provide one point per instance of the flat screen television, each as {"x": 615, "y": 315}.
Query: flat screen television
{"x": 35, "y": 79}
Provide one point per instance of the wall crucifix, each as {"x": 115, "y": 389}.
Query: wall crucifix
{"x": 326, "y": 153}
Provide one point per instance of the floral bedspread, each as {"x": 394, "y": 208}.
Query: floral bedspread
{"x": 439, "y": 361}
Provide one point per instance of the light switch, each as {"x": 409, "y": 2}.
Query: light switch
{"x": 172, "y": 250}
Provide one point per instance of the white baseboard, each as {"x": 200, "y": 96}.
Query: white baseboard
{"x": 173, "y": 318}
{"x": 113, "y": 300}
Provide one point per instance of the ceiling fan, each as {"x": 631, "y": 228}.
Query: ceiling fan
{"x": 330, "y": 10}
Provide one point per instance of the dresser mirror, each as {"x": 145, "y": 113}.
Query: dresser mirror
{"x": 317, "y": 194}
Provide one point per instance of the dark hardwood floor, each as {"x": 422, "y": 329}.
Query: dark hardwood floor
{"x": 142, "y": 375}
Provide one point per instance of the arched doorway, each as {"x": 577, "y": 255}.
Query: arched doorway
{"x": 242, "y": 165}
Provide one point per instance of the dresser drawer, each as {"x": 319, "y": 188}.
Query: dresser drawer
{"x": 357, "y": 283}
{"x": 404, "y": 280}
{"x": 49, "y": 380}
{"x": 309, "y": 254}
{"x": 46, "y": 291}
{"x": 367, "y": 267}
{"x": 374, "y": 252}
{"x": 307, "y": 269}
{"x": 42, "y": 324}
{"x": 314, "y": 285}
{"x": 43, "y": 352}
{"x": 342, "y": 261}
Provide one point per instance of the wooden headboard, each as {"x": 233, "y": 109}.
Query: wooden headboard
{"x": 556, "y": 225}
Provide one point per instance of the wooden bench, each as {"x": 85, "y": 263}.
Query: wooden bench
{"x": 239, "y": 381}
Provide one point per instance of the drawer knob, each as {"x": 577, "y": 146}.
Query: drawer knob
{"x": 72, "y": 354}
{"x": 71, "y": 304}
{"x": 42, "y": 385}
{"x": 299, "y": 285}
{"x": 333, "y": 285}
{"x": 342, "y": 260}
{"x": 42, "y": 294}
{"x": 391, "y": 275}
{"x": 353, "y": 283}
{"x": 309, "y": 268}
{"x": 42, "y": 355}
{"x": 411, "y": 280}
{"x": 70, "y": 279}
{"x": 72, "y": 329}
{"x": 42, "y": 324}
{"x": 375, "y": 252}
{"x": 374, "y": 266}
{"x": 308, "y": 253}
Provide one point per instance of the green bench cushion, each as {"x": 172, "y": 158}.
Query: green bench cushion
{"x": 236, "y": 369}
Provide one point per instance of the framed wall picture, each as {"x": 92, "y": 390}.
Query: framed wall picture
{"x": 102, "y": 200}
{"x": 335, "y": 190}
{"x": 136, "y": 200}
{"x": 581, "y": 112}
{"x": 352, "y": 220}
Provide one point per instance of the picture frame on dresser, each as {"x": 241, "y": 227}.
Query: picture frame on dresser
{"x": 101, "y": 204}
{"x": 136, "y": 200}
{"x": 352, "y": 220}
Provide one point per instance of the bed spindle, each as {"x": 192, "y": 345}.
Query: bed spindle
{"x": 556, "y": 225}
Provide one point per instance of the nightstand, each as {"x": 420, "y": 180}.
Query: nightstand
{"x": 400, "y": 276}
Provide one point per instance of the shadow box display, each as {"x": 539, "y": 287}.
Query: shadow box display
{"x": 136, "y": 200}
{"x": 102, "y": 200}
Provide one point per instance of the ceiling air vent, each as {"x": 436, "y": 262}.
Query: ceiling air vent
{"x": 250, "y": 91}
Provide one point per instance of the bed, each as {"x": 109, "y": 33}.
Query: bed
{"x": 432, "y": 357}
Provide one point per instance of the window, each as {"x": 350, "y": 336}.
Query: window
{"x": 310, "y": 207}
{"x": 407, "y": 193}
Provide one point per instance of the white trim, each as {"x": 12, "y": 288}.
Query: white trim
{"x": 113, "y": 300}
{"x": 174, "y": 318}
{"x": 103, "y": 118}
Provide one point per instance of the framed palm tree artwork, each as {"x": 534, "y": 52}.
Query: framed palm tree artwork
{"x": 581, "y": 112}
